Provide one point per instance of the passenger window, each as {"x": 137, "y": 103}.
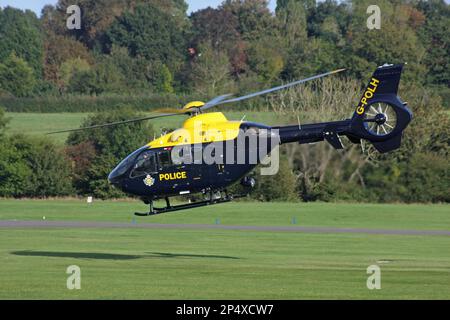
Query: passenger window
{"x": 165, "y": 159}
{"x": 145, "y": 164}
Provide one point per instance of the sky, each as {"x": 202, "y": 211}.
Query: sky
{"x": 37, "y": 5}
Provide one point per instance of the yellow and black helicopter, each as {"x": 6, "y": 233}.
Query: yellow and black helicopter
{"x": 171, "y": 166}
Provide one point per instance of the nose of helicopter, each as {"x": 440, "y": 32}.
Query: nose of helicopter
{"x": 118, "y": 176}
{"x": 115, "y": 179}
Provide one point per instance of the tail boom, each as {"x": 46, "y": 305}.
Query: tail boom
{"x": 380, "y": 117}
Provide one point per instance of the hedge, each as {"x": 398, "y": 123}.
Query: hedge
{"x": 85, "y": 103}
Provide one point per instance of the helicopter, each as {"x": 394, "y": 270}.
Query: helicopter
{"x": 175, "y": 164}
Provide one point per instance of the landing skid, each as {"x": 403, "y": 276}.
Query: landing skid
{"x": 169, "y": 208}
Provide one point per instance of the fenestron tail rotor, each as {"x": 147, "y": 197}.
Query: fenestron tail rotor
{"x": 380, "y": 119}
{"x": 198, "y": 107}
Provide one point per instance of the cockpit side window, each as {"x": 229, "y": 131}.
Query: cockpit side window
{"x": 165, "y": 159}
{"x": 145, "y": 164}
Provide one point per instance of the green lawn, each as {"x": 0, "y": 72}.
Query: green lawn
{"x": 386, "y": 216}
{"x": 224, "y": 264}
{"x": 42, "y": 123}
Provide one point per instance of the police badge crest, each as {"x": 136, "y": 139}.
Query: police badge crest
{"x": 149, "y": 181}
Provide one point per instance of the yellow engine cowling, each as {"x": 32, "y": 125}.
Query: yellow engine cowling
{"x": 203, "y": 128}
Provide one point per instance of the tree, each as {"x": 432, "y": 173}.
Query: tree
{"x": 98, "y": 16}
{"x": 58, "y": 50}
{"x": 266, "y": 59}
{"x": 70, "y": 69}
{"x": 164, "y": 79}
{"x": 210, "y": 73}
{"x": 306, "y": 4}
{"x": 435, "y": 38}
{"x": 329, "y": 30}
{"x": 50, "y": 170}
{"x": 396, "y": 42}
{"x": 279, "y": 187}
{"x": 14, "y": 172}
{"x": 136, "y": 70}
{"x": 16, "y": 76}
{"x": 77, "y": 76}
{"x": 292, "y": 18}
{"x": 108, "y": 77}
{"x": 85, "y": 82}
{"x": 111, "y": 145}
{"x": 20, "y": 33}
{"x": 219, "y": 28}
{"x": 151, "y": 33}
{"x": 254, "y": 18}
{"x": 313, "y": 35}
{"x": 110, "y": 72}
{"x": 80, "y": 157}
{"x": 324, "y": 17}
{"x": 421, "y": 178}
{"x": 96, "y": 177}
{"x": 313, "y": 57}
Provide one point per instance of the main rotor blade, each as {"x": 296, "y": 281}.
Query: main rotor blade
{"x": 170, "y": 111}
{"x": 267, "y": 91}
{"x": 216, "y": 101}
{"x": 117, "y": 123}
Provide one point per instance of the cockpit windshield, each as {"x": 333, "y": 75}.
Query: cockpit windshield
{"x": 126, "y": 164}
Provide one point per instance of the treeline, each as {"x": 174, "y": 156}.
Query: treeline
{"x": 152, "y": 47}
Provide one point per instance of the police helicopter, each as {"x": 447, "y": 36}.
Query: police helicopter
{"x": 175, "y": 164}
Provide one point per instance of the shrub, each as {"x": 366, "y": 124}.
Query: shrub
{"x": 33, "y": 167}
{"x": 421, "y": 178}
{"x": 279, "y": 187}
{"x": 3, "y": 120}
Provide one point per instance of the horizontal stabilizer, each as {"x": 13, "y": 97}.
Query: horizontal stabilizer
{"x": 334, "y": 139}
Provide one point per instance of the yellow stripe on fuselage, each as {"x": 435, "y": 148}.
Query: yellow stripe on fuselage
{"x": 203, "y": 128}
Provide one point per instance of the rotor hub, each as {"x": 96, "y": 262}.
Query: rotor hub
{"x": 381, "y": 119}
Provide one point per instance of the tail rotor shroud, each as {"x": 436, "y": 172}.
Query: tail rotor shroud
{"x": 381, "y": 116}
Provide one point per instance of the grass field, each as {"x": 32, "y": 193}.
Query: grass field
{"x": 42, "y": 123}
{"x": 139, "y": 263}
